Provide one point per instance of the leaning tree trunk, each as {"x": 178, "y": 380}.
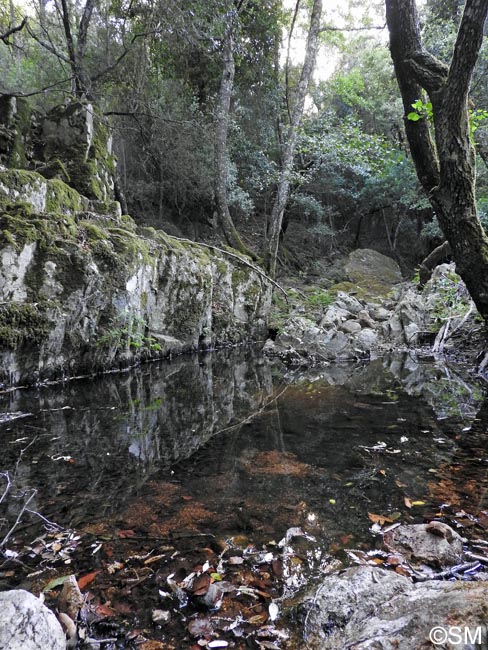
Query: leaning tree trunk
{"x": 288, "y": 153}
{"x": 446, "y": 169}
{"x": 221, "y": 156}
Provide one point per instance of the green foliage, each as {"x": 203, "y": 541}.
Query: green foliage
{"x": 421, "y": 110}
{"x": 129, "y": 334}
{"x": 424, "y": 110}
{"x": 319, "y": 298}
{"x": 452, "y": 299}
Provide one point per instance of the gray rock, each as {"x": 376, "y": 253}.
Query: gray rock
{"x": 27, "y": 624}
{"x": 365, "y": 319}
{"x": 334, "y": 316}
{"x": 435, "y": 544}
{"x": 367, "y": 339}
{"x": 348, "y": 302}
{"x": 365, "y": 607}
{"x": 350, "y": 327}
{"x": 337, "y": 345}
{"x": 368, "y": 267}
{"x": 380, "y": 313}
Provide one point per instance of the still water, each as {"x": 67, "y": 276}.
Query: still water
{"x": 230, "y": 446}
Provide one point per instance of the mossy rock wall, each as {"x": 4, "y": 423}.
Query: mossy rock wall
{"x": 82, "y": 291}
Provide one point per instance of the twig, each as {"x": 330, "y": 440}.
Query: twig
{"x": 19, "y": 517}
{"x": 440, "y": 339}
{"x": 448, "y": 572}
{"x": 49, "y": 523}
{"x": 237, "y": 257}
{"x": 478, "y": 558}
{"x": 19, "y": 459}
{"x": 253, "y": 415}
{"x": 9, "y": 485}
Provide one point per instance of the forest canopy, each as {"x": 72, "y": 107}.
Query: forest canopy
{"x": 223, "y": 129}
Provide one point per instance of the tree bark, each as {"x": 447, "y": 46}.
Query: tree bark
{"x": 289, "y": 146}
{"x": 222, "y": 115}
{"x": 446, "y": 169}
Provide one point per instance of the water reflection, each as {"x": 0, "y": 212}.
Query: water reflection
{"x": 292, "y": 445}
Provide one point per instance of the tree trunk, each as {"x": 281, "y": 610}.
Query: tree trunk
{"x": 222, "y": 114}
{"x": 289, "y": 146}
{"x": 447, "y": 169}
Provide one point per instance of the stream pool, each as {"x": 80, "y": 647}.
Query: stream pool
{"x": 143, "y": 477}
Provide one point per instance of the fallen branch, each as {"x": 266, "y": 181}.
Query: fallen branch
{"x": 448, "y": 573}
{"x": 477, "y": 558}
{"x": 237, "y": 257}
{"x": 19, "y": 517}
{"x": 9, "y": 485}
{"x": 253, "y": 415}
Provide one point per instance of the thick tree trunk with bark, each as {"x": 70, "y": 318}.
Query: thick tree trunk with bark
{"x": 445, "y": 168}
{"x": 289, "y": 146}
{"x": 222, "y": 114}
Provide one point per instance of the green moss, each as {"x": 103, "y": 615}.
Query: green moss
{"x": 129, "y": 244}
{"x": 221, "y": 266}
{"x": 62, "y": 198}
{"x": 20, "y": 228}
{"x": 55, "y": 169}
{"x": 20, "y": 323}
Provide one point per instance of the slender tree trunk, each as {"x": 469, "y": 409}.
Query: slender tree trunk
{"x": 222, "y": 115}
{"x": 289, "y": 146}
{"x": 447, "y": 169}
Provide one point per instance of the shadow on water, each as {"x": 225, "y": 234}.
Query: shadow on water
{"x": 232, "y": 447}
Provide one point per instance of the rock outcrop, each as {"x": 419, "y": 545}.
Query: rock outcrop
{"x": 377, "y": 316}
{"x": 82, "y": 288}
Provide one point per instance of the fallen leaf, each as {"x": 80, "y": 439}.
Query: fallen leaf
{"x": 418, "y": 503}
{"x": 201, "y": 584}
{"x": 55, "y": 582}
{"x": 407, "y": 502}
{"x": 104, "y": 610}
{"x": 86, "y": 579}
{"x": 277, "y": 566}
{"x": 125, "y": 533}
{"x": 379, "y": 519}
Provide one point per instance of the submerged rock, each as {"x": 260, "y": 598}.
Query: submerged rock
{"x": 27, "y": 624}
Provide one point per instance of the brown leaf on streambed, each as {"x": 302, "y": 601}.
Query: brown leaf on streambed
{"x": 126, "y": 533}
{"x": 278, "y": 463}
{"x": 86, "y": 579}
{"x": 156, "y": 645}
{"x": 277, "y": 566}
{"x": 103, "y": 611}
{"x": 379, "y": 519}
{"x": 201, "y": 584}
